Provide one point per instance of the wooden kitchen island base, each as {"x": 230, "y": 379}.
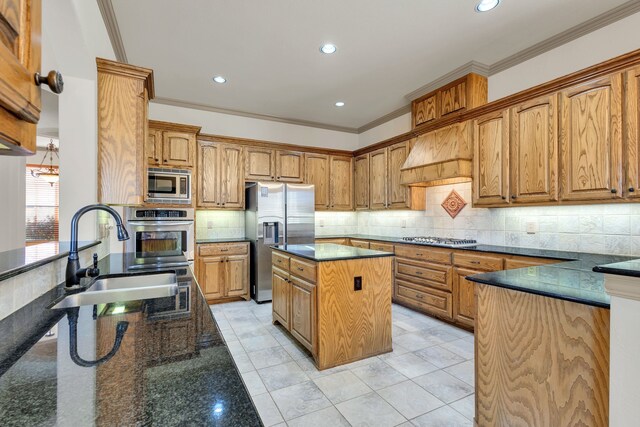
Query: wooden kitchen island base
{"x": 316, "y": 300}
{"x": 540, "y": 361}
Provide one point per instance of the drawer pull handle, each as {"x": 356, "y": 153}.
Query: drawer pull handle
{"x": 224, "y": 250}
{"x": 419, "y": 273}
{"x": 474, "y": 262}
{"x": 300, "y": 268}
{"x": 418, "y": 254}
{"x": 419, "y": 296}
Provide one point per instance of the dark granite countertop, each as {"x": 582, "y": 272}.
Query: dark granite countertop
{"x": 223, "y": 240}
{"x": 623, "y": 268}
{"x": 576, "y": 277}
{"x": 20, "y": 260}
{"x": 172, "y": 368}
{"x": 330, "y": 252}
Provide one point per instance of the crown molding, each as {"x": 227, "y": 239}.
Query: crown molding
{"x": 110, "y": 22}
{"x": 203, "y": 107}
{"x": 380, "y": 120}
{"x": 593, "y": 24}
{"x": 463, "y": 70}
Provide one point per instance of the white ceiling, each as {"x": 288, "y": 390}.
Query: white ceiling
{"x": 268, "y": 50}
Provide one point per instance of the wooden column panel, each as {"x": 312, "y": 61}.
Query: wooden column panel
{"x": 632, "y": 133}
{"x": 491, "y": 159}
{"x": 534, "y": 151}
{"x": 591, "y": 140}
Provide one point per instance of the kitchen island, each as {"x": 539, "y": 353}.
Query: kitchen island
{"x": 171, "y": 367}
{"x": 334, "y": 299}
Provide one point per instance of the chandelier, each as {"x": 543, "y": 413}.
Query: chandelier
{"x": 49, "y": 173}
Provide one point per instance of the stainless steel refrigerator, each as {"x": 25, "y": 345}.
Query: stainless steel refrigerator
{"x": 275, "y": 214}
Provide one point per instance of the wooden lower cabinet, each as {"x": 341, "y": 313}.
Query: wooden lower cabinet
{"x": 364, "y": 244}
{"x": 464, "y": 305}
{"x": 337, "y": 240}
{"x": 303, "y": 312}
{"x": 281, "y": 295}
{"x": 223, "y": 271}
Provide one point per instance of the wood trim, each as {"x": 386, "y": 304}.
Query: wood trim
{"x": 271, "y": 145}
{"x": 113, "y": 30}
{"x": 121, "y": 69}
{"x": 175, "y": 127}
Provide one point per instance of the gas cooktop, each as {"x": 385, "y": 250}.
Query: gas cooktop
{"x": 442, "y": 241}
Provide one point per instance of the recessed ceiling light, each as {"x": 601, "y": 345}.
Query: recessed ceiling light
{"x": 339, "y": 104}
{"x": 328, "y": 48}
{"x": 486, "y": 5}
{"x": 219, "y": 79}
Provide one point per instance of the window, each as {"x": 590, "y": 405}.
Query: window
{"x": 42, "y": 208}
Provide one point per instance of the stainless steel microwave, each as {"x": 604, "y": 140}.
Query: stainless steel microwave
{"x": 169, "y": 186}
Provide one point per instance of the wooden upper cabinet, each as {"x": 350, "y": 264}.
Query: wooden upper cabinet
{"x": 534, "y": 151}
{"x": 231, "y": 180}
{"x": 378, "y": 179}
{"x": 632, "y": 127}
{"x": 220, "y": 180}
{"x": 317, "y": 173}
{"x": 289, "y": 166}
{"x": 453, "y": 98}
{"x": 208, "y": 189}
{"x": 154, "y": 147}
{"x": 465, "y": 93}
{"x": 20, "y": 38}
{"x": 123, "y": 96}
{"x": 260, "y": 164}
{"x": 178, "y": 149}
{"x": 425, "y": 110}
{"x": 398, "y": 194}
{"x": 361, "y": 182}
{"x": 491, "y": 159}
{"x": 591, "y": 140}
{"x": 341, "y": 182}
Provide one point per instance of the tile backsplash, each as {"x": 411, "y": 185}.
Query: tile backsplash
{"x": 603, "y": 228}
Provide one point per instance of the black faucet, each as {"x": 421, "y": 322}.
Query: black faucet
{"x": 74, "y": 272}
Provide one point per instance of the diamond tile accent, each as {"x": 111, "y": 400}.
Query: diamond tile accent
{"x": 453, "y": 204}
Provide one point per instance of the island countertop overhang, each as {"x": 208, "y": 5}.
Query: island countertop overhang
{"x": 324, "y": 252}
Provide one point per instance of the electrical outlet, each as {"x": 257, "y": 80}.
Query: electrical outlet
{"x": 210, "y": 224}
{"x": 321, "y": 222}
{"x": 404, "y": 223}
{"x": 357, "y": 283}
{"x": 532, "y": 227}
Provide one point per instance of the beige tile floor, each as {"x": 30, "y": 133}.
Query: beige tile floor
{"x": 426, "y": 381}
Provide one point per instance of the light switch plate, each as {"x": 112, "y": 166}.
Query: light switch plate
{"x": 532, "y": 227}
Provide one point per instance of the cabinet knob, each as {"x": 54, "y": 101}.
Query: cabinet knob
{"x": 223, "y": 204}
{"x": 504, "y": 197}
{"x": 631, "y": 189}
{"x": 53, "y": 80}
{"x": 614, "y": 191}
{"x": 514, "y": 197}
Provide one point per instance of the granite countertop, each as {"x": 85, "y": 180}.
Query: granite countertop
{"x": 172, "y": 368}
{"x": 624, "y": 268}
{"x": 330, "y": 252}
{"x": 20, "y": 260}
{"x": 576, "y": 277}
{"x": 223, "y": 240}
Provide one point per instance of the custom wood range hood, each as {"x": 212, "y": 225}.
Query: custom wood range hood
{"x": 441, "y": 157}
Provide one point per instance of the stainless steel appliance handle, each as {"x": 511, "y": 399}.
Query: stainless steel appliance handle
{"x": 159, "y": 264}
{"x": 168, "y": 223}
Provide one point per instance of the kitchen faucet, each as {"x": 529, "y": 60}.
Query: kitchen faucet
{"x": 74, "y": 272}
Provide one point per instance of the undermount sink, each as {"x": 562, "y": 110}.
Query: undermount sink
{"x": 123, "y": 288}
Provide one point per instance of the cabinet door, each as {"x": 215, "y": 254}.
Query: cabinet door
{"x": 289, "y": 166}
{"x": 491, "y": 159}
{"x": 303, "y": 312}
{"x": 361, "y": 182}
{"x": 464, "y": 303}
{"x": 260, "y": 164}
{"x": 208, "y": 175}
{"x": 317, "y": 173}
{"x": 237, "y": 280}
{"x": 231, "y": 182}
{"x": 591, "y": 140}
{"x": 378, "y": 182}
{"x": 453, "y": 98}
{"x": 397, "y": 194}
{"x": 534, "y": 151}
{"x": 211, "y": 276}
{"x": 341, "y": 183}
{"x": 154, "y": 147}
{"x": 425, "y": 111}
{"x": 177, "y": 149}
{"x": 20, "y": 38}
{"x": 632, "y": 121}
{"x": 281, "y": 294}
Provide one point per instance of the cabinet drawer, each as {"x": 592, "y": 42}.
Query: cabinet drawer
{"x": 426, "y": 274}
{"x": 339, "y": 241}
{"x": 360, "y": 243}
{"x": 385, "y": 247}
{"x": 224, "y": 249}
{"x": 304, "y": 269}
{"x": 280, "y": 260}
{"x": 477, "y": 261}
{"x": 513, "y": 263}
{"x": 431, "y": 300}
{"x": 424, "y": 253}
